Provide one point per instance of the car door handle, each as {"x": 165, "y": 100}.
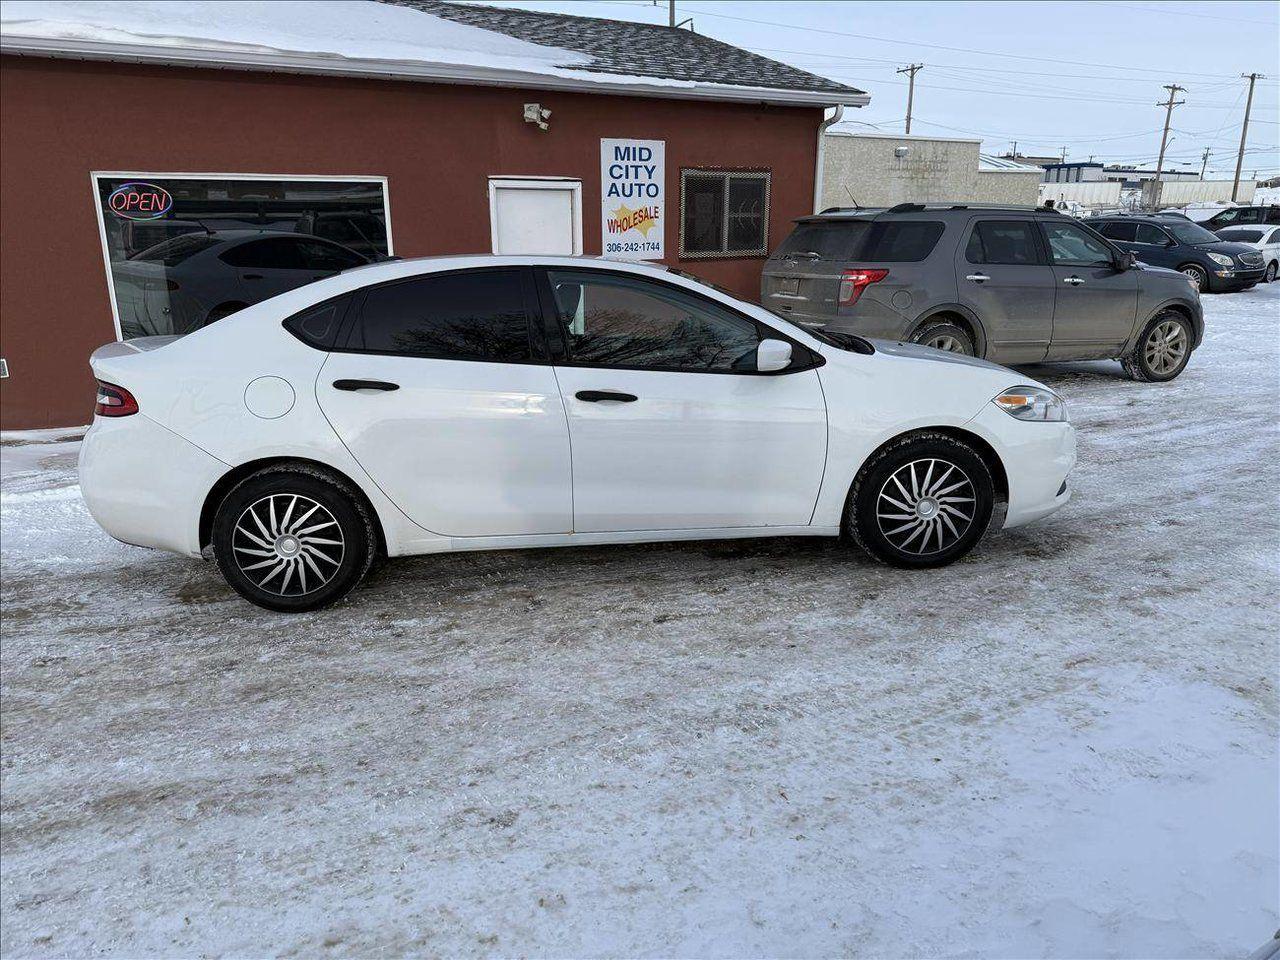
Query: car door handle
{"x": 978, "y": 277}
{"x": 1074, "y": 281}
{"x": 595, "y": 396}
{"x": 364, "y": 385}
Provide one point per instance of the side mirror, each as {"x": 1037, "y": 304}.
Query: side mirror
{"x": 772, "y": 356}
{"x": 1126, "y": 261}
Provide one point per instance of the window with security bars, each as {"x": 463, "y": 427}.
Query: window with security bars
{"x": 724, "y": 213}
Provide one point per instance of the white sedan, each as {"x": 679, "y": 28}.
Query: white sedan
{"x": 484, "y": 403}
{"x": 1263, "y": 237}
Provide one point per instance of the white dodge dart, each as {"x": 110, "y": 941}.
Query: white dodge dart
{"x": 484, "y": 403}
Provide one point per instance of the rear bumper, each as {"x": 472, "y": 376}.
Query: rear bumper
{"x": 144, "y": 484}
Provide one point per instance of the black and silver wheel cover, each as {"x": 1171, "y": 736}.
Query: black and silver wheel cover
{"x": 926, "y": 506}
{"x": 288, "y": 544}
{"x": 946, "y": 341}
{"x": 1165, "y": 347}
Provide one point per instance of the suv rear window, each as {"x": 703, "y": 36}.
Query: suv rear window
{"x": 901, "y": 241}
{"x": 832, "y": 240}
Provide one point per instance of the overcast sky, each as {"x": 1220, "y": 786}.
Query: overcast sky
{"x": 1079, "y": 74}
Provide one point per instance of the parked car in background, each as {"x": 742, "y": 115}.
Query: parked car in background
{"x": 1012, "y": 284}
{"x": 1243, "y": 216}
{"x": 497, "y": 402}
{"x": 1265, "y": 239}
{"x": 1211, "y": 263}
{"x": 194, "y": 279}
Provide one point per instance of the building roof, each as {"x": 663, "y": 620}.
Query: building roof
{"x": 629, "y": 49}
{"x": 422, "y": 40}
{"x": 990, "y": 164}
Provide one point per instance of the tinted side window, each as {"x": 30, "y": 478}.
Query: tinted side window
{"x": 478, "y": 315}
{"x": 619, "y": 321}
{"x": 902, "y": 241}
{"x": 1147, "y": 233}
{"x": 318, "y": 326}
{"x": 277, "y": 253}
{"x": 1118, "y": 230}
{"x": 328, "y": 256}
{"x": 1003, "y": 241}
{"x": 1070, "y": 245}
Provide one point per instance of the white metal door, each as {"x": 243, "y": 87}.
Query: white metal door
{"x": 535, "y": 216}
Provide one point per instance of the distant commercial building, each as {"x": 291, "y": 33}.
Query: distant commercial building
{"x": 866, "y": 167}
{"x": 1129, "y": 176}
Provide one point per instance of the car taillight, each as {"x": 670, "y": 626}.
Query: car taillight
{"x": 853, "y": 282}
{"x": 114, "y": 401}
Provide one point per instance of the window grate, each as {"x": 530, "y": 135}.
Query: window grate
{"x": 724, "y": 213}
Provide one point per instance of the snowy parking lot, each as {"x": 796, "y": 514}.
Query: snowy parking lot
{"x": 1064, "y": 745}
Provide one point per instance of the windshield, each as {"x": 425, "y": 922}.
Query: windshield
{"x": 1190, "y": 233}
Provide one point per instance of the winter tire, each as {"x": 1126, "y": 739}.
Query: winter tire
{"x": 921, "y": 501}
{"x": 1163, "y": 350}
{"x": 293, "y": 538}
{"x": 945, "y": 335}
{"x": 1270, "y": 275}
{"x": 1197, "y": 274}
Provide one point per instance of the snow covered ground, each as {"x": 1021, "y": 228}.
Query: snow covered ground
{"x": 1065, "y": 745}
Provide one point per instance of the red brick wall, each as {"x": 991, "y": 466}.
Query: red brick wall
{"x": 437, "y": 144}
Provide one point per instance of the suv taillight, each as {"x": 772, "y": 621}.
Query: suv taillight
{"x": 853, "y": 282}
{"x": 114, "y": 401}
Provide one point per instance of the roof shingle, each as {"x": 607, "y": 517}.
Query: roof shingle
{"x": 638, "y": 49}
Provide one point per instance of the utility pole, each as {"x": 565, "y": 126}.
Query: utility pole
{"x": 1244, "y": 131}
{"x": 1064, "y": 154}
{"x": 911, "y": 69}
{"x": 1014, "y": 155}
{"x": 1204, "y": 162}
{"x": 1174, "y": 90}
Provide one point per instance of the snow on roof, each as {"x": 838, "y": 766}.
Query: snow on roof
{"x": 991, "y": 164}
{"x": 366, "y": 38}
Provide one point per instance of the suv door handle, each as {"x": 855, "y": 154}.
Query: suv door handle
{"x": 978, "y": 277}
{"x": 364, "y": 385}
{"x": 1074, "y": 281}
{"x": 595, "y": 396}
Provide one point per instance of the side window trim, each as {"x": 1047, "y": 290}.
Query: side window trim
{"x": 345, "y": 302}
{"x": 810, "y": 359}
{"x": 355, "y": 315}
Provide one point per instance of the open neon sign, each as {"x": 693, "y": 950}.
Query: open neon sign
{"x": 140, "y": 201}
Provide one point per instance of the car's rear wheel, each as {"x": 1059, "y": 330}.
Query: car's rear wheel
{"x": 293, "y": 538}
{"x": 945, "y": 335}
{"x": 1198, "y": 275}
{"x": 922, "y": 501}
{"x": 1270, "y": 275}
{"x": 1163, "y": 349}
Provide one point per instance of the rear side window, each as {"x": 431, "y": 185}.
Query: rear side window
{"x": 901, "y": 241}
{"x": 318, "y": 326}
{"x": 1151, "y": 234}
{"x": 1244, "y": 236}
{"x": 1003, "y": 241}
{"x": 825, "y": 241}
{"x": 1115, "y": 230}
{"x": 477, "y": 315}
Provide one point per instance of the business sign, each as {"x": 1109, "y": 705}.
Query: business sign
{"x": 632, "y": 199}
{"x": 140, "y": 201}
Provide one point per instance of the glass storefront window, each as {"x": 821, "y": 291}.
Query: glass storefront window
{"x": 184, "y": 252}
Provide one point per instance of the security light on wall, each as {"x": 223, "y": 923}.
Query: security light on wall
{"x": 901, "y": 151}
{"x": 536, "y": 113}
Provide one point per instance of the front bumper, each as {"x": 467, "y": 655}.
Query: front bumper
{"x": 144, "y": 484}
{"x": 1037, "y": 458}
{"x": 1225, "y": 279}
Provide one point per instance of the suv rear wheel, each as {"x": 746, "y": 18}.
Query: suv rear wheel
{"x": 922, "y": 501}
{"x": 945, "y": 335}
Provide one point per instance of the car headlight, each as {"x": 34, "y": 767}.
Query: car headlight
{"x": 1221, "y": 258}
{"x": 1032, "y": 403}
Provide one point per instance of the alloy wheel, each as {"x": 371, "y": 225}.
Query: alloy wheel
{"x": 1196, "y": 274}
{"x": 925, "y": 506}
{"x": 945, "y": 341}
{"x": 1166, "y": 347}
{"x": 1271, "y": 273}
{"x": 288, "y": 544}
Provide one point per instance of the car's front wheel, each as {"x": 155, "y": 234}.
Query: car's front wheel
{"x": 293, "y": 538}
{"x": 1198, "y": 275}
{"x": 921, "y": 501}
{"x": 1163, "y": 349}
{"x": 1270, "y": 275}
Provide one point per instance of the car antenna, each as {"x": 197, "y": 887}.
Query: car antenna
{"x": 852, "y": 199}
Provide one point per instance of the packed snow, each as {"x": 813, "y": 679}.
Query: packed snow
{"x": 1065, "y": 745}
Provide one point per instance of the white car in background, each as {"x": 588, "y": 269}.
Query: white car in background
{"x": 480, "y": 403}
{"x": 1264, "y": 237}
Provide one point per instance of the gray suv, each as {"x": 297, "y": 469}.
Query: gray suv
{"x": 1012, "y": 284}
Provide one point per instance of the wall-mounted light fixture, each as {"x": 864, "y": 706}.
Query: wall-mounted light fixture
{"x": 901, "y": 152}
{"x": 537, "y": 113}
